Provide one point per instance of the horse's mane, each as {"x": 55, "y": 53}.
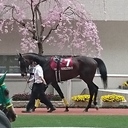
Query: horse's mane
{"x": 36, "y": 57}
{"x": 42, "y": 59}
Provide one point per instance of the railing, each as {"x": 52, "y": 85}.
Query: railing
{"x": 11, "y": 74}
{"x": 97, "y": 75}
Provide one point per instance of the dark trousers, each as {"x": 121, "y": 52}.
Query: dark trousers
{"x": 38, "y": 91}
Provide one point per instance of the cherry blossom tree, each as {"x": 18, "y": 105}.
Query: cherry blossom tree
{"x": 60, "y": 22}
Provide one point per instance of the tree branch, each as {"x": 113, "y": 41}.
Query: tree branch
{"x": 32, "y": 13}
{"x": 40, "y": 19}
{"x": 20, "y": 22}
{"x": 33, "y": 21}
{"x": 52, "y": 29}
{"x": 6, "y": 10}
{"x": 36, "y": 20}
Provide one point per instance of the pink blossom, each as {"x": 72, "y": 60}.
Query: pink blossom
{"x": 68, "y": 21}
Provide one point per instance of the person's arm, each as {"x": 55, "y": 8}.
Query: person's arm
{"x": 30, "y": 79}
{"x": 43, "y": 80}
{"x": 41, "y": 75}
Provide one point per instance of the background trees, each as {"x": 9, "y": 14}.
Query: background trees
{"x": 57, "y": 22}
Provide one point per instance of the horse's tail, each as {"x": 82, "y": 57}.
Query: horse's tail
{"x": 103, "y": 71}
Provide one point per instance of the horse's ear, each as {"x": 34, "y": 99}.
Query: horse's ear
{"x": 20, "y": 54}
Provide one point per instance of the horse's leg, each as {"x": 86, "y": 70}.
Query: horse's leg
{"x": 91, "y": 91}
{"x": 95, "y": 96}
{"x": 56, "y": 86}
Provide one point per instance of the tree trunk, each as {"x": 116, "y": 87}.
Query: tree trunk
{"x": 40, "y": 48}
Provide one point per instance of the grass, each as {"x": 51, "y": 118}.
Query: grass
{"x": 71, "y": 121}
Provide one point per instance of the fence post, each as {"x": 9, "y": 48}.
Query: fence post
{"x": 69, "y": 88}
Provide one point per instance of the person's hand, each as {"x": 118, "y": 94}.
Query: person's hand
{"x": 28, "y": 81}
{"x": 46, "y": 86}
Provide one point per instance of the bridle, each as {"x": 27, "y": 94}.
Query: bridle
{"x": 24, "y": 65}
{"x": 6, "y": 105}
{"x": 5, "y": 109}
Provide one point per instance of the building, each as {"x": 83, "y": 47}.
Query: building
{"x": 111, "y": 18}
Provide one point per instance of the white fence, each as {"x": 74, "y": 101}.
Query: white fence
{"x": 97, "y": 75}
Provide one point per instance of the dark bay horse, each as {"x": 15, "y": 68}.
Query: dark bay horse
{"x": 5, "y": 101}
{"x": 58, "y": 69}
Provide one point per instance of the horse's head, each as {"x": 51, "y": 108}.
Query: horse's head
{"x": 24, "y": 65}
{"x": 5, "y": 102}
{"x": 8, "y": 109}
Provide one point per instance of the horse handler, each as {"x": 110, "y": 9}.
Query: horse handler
{"x": 38, "y": 89}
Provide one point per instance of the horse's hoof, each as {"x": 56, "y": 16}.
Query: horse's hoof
{"x": 85, "y": 110}
{"x": 66, "y": 110}
{"x": 97, "y": 107}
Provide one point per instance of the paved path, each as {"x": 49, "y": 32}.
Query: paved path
{"x": 75, "y": 111}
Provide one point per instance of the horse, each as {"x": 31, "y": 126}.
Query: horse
{"x": 58, "y": 68}
{"x": 5, "y": 101}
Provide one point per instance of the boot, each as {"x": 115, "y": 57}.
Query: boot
{"x": 52, "y": 109}
{"x": 26, "y": 111}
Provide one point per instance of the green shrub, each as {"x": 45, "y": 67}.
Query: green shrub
{"x": 21, "y": 97}
{"x": 26, "y": 96}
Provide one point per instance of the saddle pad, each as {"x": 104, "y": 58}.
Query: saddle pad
{"x": 64, "y": 63}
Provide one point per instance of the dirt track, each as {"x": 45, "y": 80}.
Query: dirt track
{"x": 75, "y": 111}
